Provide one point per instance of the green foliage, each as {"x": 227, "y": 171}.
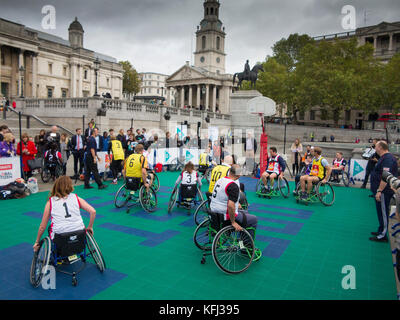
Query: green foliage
{"x": 131, "y": 81}
{"x": 392, "y": 83}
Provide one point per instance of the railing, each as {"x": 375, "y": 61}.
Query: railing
{"x": 33, "y": 103}
{"x": 185, "y": 112}
{"x": 152, "y": 108}
{"x": 196, "y": 113}
{"x": 335, "y": 36}
{"x": 54, "y": 103}
{"x": 78, "y": 103}
{"x": 133, "y": 106}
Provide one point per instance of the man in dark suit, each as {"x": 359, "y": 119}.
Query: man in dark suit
{"x": 77, "y": 146}
{"x": 88, "y": 131}
{"x": 91, "y": 162}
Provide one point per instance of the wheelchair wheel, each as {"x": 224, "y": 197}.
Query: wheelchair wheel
{"x": 233, "y": 251}
{"x": 107, "y": 174}
{"x": 346, "y": 179}
{"x": 95, "y": 252}
{"x": 325, "y": 193}
{"x": 283, "y": 187}
{"x": 259, "y": 185}
{"x": 40, "y": 262}
{"x": 59, "y": 171}
{"x": 148, "y": 200}
{"x": 121, "y": 197}
{"x": 202, "y": 236}
{"x": 172, "y": 199}
{"x": 45, "y": 175}
{"x": 156, "y": 183}
{"x": 201, "y": 212}
{"x": 207, "y": 174}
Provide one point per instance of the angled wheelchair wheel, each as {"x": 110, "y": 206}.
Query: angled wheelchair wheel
{"x": 202, "y": 212}
{"x": 202, "y": 236}
{"x": 233, "y": 251}
{"x": 156, "y": 183}
{"x": 259, "y": 185}
{"x": 325, "y": 193}
{"x": 121, "y": 197}
{"x": 172, "y": 199}
{"x": 283, "y": 186}
{"x": 95, "y": 252}
{"x": 45, "y": 175}
{"x": 40, "y": 262}
{"x": 346, "y": 179}
{"x": 148, "y": 200}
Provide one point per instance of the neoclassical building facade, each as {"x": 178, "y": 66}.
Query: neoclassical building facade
{"x": 35, "y": 64}
{"x": 205, "y": 84}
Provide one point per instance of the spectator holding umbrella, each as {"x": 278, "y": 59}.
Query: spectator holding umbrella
{"x": 27, "y": 150}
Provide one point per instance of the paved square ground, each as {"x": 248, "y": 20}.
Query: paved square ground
{"x": 152, "y": 256}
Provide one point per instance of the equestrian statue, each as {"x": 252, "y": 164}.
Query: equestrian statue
{"x": 248, "y": 75}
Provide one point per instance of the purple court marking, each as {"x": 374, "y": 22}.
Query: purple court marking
{"x": 15, "y": 285}
{"x": 276, "y": 246}
{"x": 39, "y": 215}
{"x": 165, "y": 189}
{"x": 298, "y": 213}
{"x": 290, "y": 227}
{"x": 102, "y": 204}
{"x": 93, "y": 199}
{"x": 152, "y": 239}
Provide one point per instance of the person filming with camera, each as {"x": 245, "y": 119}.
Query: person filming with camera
{"x": 381, "y": 189}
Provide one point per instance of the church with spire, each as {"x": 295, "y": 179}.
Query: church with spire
{"x": 204, "y": 85}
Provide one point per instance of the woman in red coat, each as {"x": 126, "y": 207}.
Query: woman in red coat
{"x": 28, "y": 153}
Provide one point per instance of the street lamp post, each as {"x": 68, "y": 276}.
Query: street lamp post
{"x": 96, "y": 69}
{"x": 21, "y": 74}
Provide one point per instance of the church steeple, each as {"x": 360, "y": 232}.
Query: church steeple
{"x": 210, "y": 43}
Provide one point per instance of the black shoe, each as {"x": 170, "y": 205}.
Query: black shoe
{"x": 363, "y": 186}
{"x": 88, "y": 187}
{"x": 103, "y": 186}
{"x": 376, "y": 239}
{"x": 375, "y": 233}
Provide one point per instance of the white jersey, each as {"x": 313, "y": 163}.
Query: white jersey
{"x": 65, "y": 215}
{"x": 219, "y": 198}
{"x": 189, "y": 178}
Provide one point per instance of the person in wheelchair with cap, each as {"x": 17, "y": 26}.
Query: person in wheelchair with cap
{"x": 63, "y": 208}
{"x": 225, "y": 202}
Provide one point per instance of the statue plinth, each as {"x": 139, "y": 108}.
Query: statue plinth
{"x": 240, "y": 116}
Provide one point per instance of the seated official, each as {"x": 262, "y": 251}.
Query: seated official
{"x": 320, "y": 171}
{"x": 225, "y": 201}
{"x": 63, "y": 209}
{"x": 220, "y": 171}
{"x": 135, "y": 170}
{"x": 275, "y": 168}
{"x": 338, "y": 166}
{"x": 190, "y": 181}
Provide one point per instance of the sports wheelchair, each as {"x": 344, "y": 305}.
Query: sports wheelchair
{"x": 233, "y": 251}
{"x": 65, "y": 249}
{"x": 186, "y": 196}
{"x": 342, "y": 176}
{"x": 320, "y": 192}
{"x": 51, "y": 170}
{"x": 205, "y": 172}
{"x": 280, "y": 187}
{"x": 134, "y": 192}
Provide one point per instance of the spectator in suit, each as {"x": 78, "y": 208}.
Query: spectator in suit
{"x": 77, "y": 146}
{"x": 106, "y": 141}
{"x": 89, "y": 130}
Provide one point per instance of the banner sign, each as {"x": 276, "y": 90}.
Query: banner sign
{"x": 105, "y": 161}
{"x": 191, "y": 155}
{"x": 166, "y": 156}
{"x": 10, "y": 169}
{"x": 357, "y": 169}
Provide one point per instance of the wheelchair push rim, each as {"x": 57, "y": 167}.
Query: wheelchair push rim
{"x": 346, "y": 179}
{"x": 202, "y": 212}
{"x": 283, "y": 187}
{"x": 122, "y": 193}
{"x": 95, "y": 252}
{"x": 325, "y": 193}
{"x": 202, "y": 236}
{"x": 233, "y": 251}
{"x": 40, "y": 262}
{"x": 156, "y": 183}
{"x": 148, "y": 200}
{"x": 172, "y": 199}
{"x": 45, "y": 175}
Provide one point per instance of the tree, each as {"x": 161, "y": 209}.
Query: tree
{"x": 392, "y": 83}
{"x": 131, "y": 81}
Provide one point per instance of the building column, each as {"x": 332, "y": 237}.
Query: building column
{"x": 168, "y": 95}
{"x": 182, "y": 97}
{"x": 21, "y": 64}
{"x": 80, "y": 81}
{"x": 73, "y": 80}
{"x": 214, "y": 99}
{"x": 198, "y": 96}
{"x": 391, "y": 41}
{"x": 375, "y": 42}
{"x": 34, "y": 75}
{"x": 190, "y": 96}
{"x": 207, "y": 97}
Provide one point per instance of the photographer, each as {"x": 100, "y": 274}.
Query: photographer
{"x": 382, "y": 191}
{"x": 372, "y": 157}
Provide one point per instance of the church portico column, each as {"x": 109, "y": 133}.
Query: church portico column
{"x": 214, "y": 99}
{"x": 207, "y": 103}
{"x": 34, "y": 74}
{"x": 21, "y": 78}
{"x": 198, "y": 97}
{"x": 169, "y": 96}
{"x": 390, "y": 41}
{"x": 182, "y": 97}
{"x": 190, "y": 96}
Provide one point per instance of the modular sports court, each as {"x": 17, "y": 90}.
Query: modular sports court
{"x": 153, "y": 256}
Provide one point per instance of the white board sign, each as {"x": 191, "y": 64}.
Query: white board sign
{"x": 358, "y": 168}
{"x": 10, "y": 169}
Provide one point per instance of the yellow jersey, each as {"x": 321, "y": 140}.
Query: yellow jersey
{"x": 220, "y": 171}
{"x": 117, "y": 150}
{"x": 203, "y": 160}
{"x": 317, "y": 169}
{"x": 134, "y": 165}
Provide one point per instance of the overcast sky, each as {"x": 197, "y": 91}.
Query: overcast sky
{"x": 158, "y": 35}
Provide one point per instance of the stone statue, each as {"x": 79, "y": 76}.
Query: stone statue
{"x": 248, "y": 75}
